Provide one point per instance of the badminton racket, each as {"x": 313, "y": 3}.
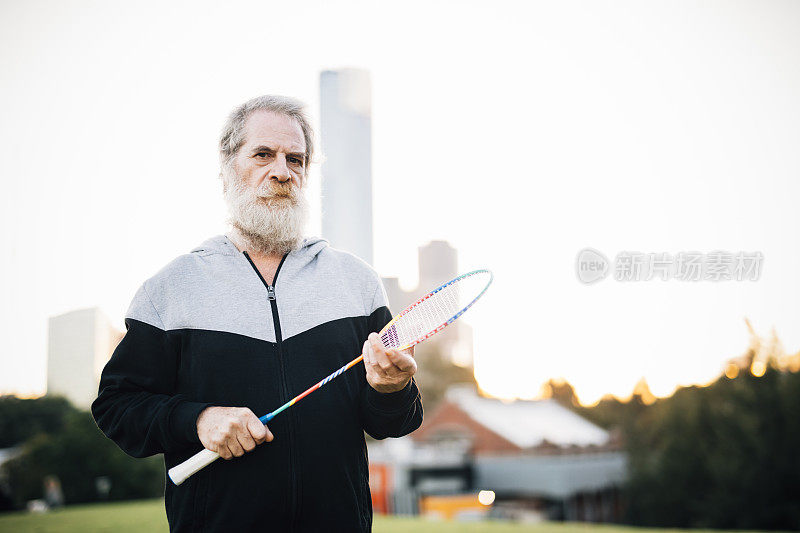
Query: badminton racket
{"x": 419, "y": 321}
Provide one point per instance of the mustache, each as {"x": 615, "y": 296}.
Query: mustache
{"x": 275, "y": 189}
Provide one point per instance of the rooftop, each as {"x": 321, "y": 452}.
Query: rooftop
{"x": 528, "y": 424}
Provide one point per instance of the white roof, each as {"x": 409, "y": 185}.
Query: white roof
{"x": 528, "y": 423}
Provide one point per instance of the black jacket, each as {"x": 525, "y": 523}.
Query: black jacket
{"x": 207, "y": 331}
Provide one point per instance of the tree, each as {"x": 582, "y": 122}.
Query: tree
{"x": 21, "y": 419}
{"x": 436, "y": 373}
{"x": 722, "y": 456}
{"x": 561, "y": 391}
{"x": 78, "y": 454}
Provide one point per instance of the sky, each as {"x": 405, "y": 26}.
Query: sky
{"x": 520, "y": 132}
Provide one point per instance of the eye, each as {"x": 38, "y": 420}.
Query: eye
{"x": 295, "y": 161}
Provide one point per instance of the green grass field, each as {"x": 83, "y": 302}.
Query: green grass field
{"x": 149, "y": 516}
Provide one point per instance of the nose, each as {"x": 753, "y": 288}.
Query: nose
{"x": 279, "y": 170}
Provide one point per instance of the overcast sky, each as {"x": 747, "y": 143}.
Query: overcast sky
{"x": 521, "y": 132}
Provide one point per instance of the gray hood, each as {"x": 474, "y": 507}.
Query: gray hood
{"x": 221, "y": 244}
{"x": 215, "y": 288}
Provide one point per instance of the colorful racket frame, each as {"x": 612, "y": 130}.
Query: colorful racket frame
{"x": 181, "y": 472}
{"x": 430, "y": 294}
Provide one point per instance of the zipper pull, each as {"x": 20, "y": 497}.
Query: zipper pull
{"x": 271, "y": 292}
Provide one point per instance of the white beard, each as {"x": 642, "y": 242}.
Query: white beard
{"x": 271, "y": 219}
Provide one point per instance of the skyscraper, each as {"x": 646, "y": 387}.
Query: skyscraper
{"x": 438, "y": 263}
{"x": 346, "y": 134}
{"x": 79, "y": 344}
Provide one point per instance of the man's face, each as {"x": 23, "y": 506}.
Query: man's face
{"x": 263, "y": 185}
{"x": 274, "y": 151}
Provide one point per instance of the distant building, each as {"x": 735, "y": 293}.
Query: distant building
{"x": 491, "y": 426}
{"x": 346, "y": 135}
{"x": 79, "y": 344}
{"x": 538, "y": 459}
{"x": 398, "y": 298}
{"x": 437, "y": 263}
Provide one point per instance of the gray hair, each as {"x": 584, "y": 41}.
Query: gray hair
{"x": 232, "y": 137}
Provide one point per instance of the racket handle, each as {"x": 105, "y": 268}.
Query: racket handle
{"x": 179, "y": 473}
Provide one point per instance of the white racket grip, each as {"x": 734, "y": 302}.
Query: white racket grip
{"x": 180, "y": 473}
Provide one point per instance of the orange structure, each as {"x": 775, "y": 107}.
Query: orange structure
{"x": 380, "y": 487}
{"x": 452, "y": 507}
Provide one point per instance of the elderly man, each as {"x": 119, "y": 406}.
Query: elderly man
{"x": 242, "y": 324}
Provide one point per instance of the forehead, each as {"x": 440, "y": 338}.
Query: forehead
{"x": 274, "y": 130}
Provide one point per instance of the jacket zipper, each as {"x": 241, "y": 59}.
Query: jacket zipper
{"x": 284, "y": 387}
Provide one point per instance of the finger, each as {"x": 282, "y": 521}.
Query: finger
{"x": 235, "y": 448}
{"x": 365, "y": 353}
{"x": 402, "y": 361}
{"x": 224, "y": 452}
{"x": 257, "y": 430}
{"x": 380, "y": 359}
{"x": 246, "y": 441}
{"x": 375, "y": 341}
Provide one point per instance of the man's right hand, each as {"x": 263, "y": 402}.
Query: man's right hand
{"x": 231, "y": 431}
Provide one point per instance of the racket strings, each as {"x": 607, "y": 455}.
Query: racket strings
{"x": 425, "y": 317}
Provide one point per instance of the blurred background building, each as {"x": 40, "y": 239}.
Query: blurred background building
{"x": 437, "y": 263}
{"x": 79, "y": 344}
{"x": 538, "y": 460}
{"x": 346, "y": 136}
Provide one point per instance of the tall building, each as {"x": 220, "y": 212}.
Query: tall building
{"x": 79, "y": 344}
{"x": 438, "y": 263}
{"x": 346, "y": 135}
{"x": 398, "y": 298}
